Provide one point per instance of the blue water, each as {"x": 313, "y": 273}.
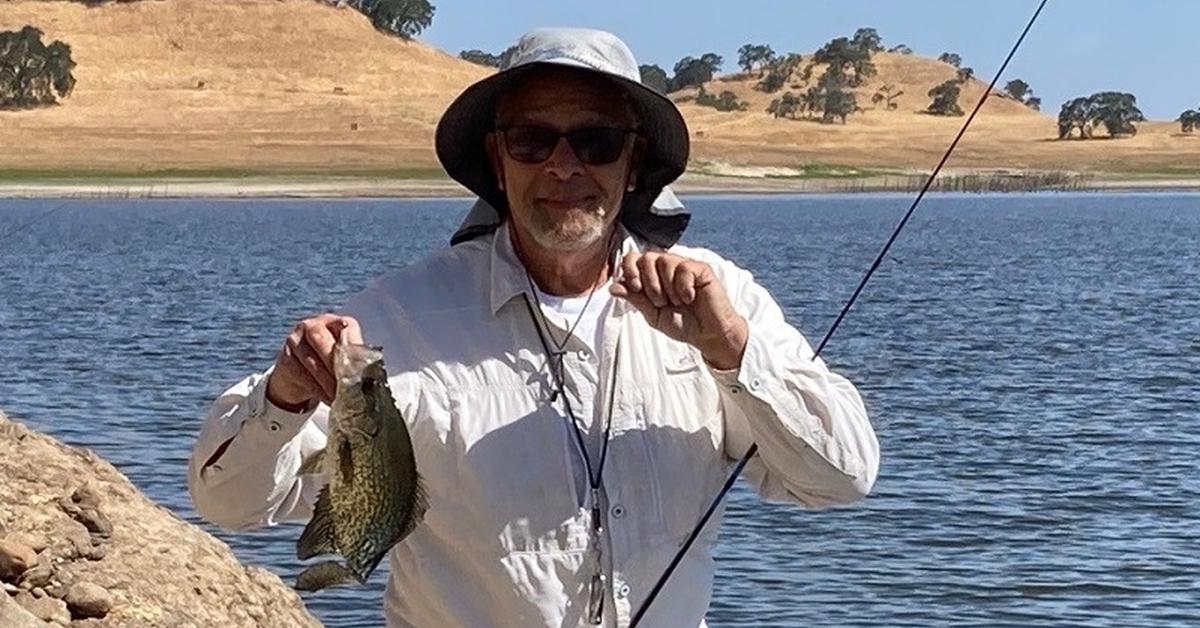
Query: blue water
{"x": 1031, "y": 363}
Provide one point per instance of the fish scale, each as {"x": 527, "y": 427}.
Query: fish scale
{"x": 373, "y": 499}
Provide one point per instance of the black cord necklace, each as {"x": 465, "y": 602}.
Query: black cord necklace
{"x": 598, "y": 587}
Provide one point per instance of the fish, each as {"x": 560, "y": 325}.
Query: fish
{"x": 374, "y": 498}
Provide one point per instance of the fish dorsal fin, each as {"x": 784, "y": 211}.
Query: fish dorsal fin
{"x": 318, "y": 536}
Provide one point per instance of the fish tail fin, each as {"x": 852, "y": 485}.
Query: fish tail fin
{"x": 317, "y": 537}
{"x": 324, "y": 575}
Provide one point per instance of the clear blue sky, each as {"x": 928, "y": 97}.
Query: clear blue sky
{"x": 1148, "y": 47}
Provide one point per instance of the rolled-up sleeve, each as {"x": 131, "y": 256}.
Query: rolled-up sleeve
{"x": 815, "y": 442}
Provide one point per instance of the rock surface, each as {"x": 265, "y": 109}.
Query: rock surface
{"x": 81, "y": 546}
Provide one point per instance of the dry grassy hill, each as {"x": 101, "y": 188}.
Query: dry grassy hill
{"x": 1007, "y": 134}
{"x": 296, "y": 85}
{"x": 231, "y": 84}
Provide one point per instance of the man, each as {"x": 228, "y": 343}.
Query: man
{"x": 577, "y": 385}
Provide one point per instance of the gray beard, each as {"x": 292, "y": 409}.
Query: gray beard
{"x": 575, "y": 235}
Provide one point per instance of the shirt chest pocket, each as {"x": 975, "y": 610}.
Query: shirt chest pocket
{"x": 514, "y": 484}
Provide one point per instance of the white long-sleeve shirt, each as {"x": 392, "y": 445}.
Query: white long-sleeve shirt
{"x": 505, "y": 539}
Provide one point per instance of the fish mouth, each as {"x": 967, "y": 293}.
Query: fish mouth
{"x": 351, "y": 360}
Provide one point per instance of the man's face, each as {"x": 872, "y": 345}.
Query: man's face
{"x": 564, "y": 198}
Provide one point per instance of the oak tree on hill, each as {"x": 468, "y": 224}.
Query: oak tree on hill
{"x": 480, "y": 57}
{"x": 868, "y": 39}
{"x": 33, "y": 74}
{"x": 406, "y": 18}
{"x": 945, "y": 99}
{"x": 690, "y": 72}
{"x": 755, "y": 56}
{"x": 952, "y": 58}
{"x": 1116, "y": 111}
{"x": 1189, "y": 120}
{"x": 655, "y": 78}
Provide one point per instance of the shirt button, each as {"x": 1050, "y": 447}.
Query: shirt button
{"x": 735, "y": 389}
{"x": 618, "y": 511}
{"x": 756, "y": 384}
{"x": 274, "y": 426}
{"x": 623, "y": 591}
{"x": 583, "y": 354}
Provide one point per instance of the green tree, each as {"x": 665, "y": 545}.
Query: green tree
{"x": 1075, "y": 114}
{"x": 1033, "y": 102}
{"x": 964, "y": 74}
{"x": 778, "y": 72}
{"x": 945, "y": 99}
{"x": 1189, "y": 120}
{"x": 839, "y": 103}
{"x": 755, "y": 56}
{"x": 480, "y": 57}
{"x": 950, "y": 57}
{"x": 655, "y": 78}
{"x": 842, "y": 55}
{"x": 406, "y": 18}
{"x": 33, "y": 74}
{"x": 901, "y": 49}
{"x": 1018, "y": 89}
{"x": 887, "y": 94}
{"x": 785, "y": 106}
{"x": 726, "y": 101}
{"x": 690, "y": 72}
{"x": 1117, "y": 111}
{"x": 868, "y": 39}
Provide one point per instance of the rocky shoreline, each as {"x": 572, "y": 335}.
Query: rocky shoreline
{"x": 80, "y": 546}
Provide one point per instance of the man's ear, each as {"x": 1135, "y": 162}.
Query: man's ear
{"x": 493, "y": 153}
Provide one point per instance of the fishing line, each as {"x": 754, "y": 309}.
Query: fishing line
{"x": 29, "y": 223}
{"x": 741, "y": 464}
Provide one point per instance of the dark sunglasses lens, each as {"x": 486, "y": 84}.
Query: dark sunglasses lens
{"x": 597, "y": 146}
{"x": 530, "y": 144}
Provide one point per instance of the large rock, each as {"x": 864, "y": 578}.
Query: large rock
{"x": 13, "y": 616}
{"x": 154, "y": 569}
{"x": 15, "y": 560}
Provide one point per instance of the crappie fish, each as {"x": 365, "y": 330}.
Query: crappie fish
{"x": 374, "y": 498}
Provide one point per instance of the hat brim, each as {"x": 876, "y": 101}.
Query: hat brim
{"x": 462, "y": 131}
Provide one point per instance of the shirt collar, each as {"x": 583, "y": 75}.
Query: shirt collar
{"x": 508, "y": 278}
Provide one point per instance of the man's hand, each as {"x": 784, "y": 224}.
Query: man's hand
{"x": 683, "y": 299}
{"x": 303, "y": 373}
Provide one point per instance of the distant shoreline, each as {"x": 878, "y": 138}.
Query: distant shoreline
{"x": 311, "y": 186}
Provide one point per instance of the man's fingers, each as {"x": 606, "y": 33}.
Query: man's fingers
{"x": 299, "y": 376}
{"x": 314, "y": 364}
{"x": 651, "y": 286}
{"x": 629, "y": 271}
{"x": 348, "y": 330}
{"x": 684, "y": 284}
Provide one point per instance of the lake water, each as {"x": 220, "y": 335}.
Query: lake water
{"x": 1031, "y": 364}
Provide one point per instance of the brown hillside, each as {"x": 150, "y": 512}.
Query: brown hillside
{"x": 1006, "y": 134}
{"x": 283, "y": 81}
{"x": 297, "y": 85}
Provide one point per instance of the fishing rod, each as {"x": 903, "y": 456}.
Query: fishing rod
{"x": 750, "y": 453}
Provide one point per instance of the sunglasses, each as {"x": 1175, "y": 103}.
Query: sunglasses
{"x": 595, "y": 146}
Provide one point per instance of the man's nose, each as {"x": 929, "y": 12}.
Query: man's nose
{"x": 563, "y": 162}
